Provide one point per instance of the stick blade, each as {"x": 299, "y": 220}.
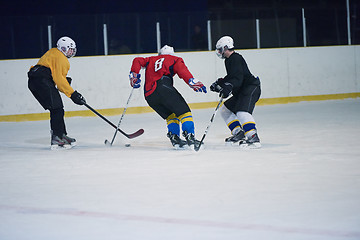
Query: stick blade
{"x": 135, "y": 134}
{"x": 196, "y": 148}
{"x": 107, "y": 143}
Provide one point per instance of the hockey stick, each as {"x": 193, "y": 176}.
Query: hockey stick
{"x": 196, "y": 148}
{"x": 132, "y": 135}
{"x": 127, "y": 103}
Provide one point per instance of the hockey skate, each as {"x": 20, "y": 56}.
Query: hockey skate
{"x": 251, "y": 142}
{"x": 191, "y": 141}
{"x": 59, "y": 144}
{"x": 69, "y": 140}
{"x": 238, "y": 137}
{"x": 176, "y": 141}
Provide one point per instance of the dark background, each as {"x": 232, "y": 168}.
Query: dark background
{"x": 47, "y": 7}
{"x": 131, "y": 24}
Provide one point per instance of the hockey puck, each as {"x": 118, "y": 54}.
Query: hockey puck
{"x": 127, "y": 145}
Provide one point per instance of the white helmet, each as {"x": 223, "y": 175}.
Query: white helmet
{"x": 166, "y": 50}
{"x": 222, "y": 45}
{"x": 67, "y": 46}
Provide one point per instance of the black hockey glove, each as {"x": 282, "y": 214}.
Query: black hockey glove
{"x": 226, "y": 90}
{"x": 77, "y": 98}
{"x": 215, "y": 87}
{"x": 69, "y": 80}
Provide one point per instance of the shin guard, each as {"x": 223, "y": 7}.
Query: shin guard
{"x": 248, "y": 123}
{"x": 173, "y": 124}
{"x": 187, "y": 123}
{"x": 230, "y": 119}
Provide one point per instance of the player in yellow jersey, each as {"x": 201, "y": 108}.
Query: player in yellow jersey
{"x": 46, "y": 79}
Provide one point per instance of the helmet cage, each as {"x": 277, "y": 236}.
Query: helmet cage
{"x": 67, "y": 46}
{"x": 223, "y": 44}
{"x": 220, "y": 51}
{"x": 69, "y": 52}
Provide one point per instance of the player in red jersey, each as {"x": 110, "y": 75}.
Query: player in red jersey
{"x": 161, "y": 95}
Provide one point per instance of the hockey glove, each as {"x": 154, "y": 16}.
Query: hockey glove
{"x": 134, "y": 79}
{"x": 77, "y": 98}
{"x": 215, "y": 87}
{"x": 226, "y": 90}
{"x": 196, "y": 85}
{"x": 69, "y": 80}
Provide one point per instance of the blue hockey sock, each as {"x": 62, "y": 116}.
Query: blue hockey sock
{"x": 249, "y": 128}
{"x": 187, "y": 123}
{"x": 173, "y": 124}
{"x": 234, "y": 126}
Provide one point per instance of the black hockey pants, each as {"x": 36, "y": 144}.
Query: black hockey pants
{"x": 244, "y": 99}
{"x": 43, "y": 88}
{"x": 166, "y": 100}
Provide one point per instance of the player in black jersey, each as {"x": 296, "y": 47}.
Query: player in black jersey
{"x": 245, "y": 90}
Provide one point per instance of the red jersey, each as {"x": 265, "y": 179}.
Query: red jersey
{"x": 158, "y": 66}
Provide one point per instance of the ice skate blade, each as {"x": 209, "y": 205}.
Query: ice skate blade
{"x": 255, "y": 145}
{"x": 232, "y": 144}
{"x": 178, "y": 147}
{"x": 63, "y": 147}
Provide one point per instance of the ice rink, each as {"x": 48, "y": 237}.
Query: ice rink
{"x": 303, "y": 184}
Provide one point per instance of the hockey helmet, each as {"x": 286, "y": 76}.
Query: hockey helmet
{"x": 166, "y": 50}
{"x": 222, "y": 45}
{"x": 67, "y": 46}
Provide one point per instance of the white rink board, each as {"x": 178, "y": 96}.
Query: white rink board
{"x": 330, "y": 71}
{"x": 103, "y": 80}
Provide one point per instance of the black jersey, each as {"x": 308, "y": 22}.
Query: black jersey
{"x": 238, "y": 73}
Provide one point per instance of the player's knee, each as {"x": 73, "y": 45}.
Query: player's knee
{"x": 225, "y": 112}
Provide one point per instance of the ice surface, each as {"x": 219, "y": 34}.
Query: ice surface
{"x": 303, "y": 184}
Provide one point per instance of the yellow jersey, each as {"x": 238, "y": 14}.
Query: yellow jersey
{"x": 59, "y": 66}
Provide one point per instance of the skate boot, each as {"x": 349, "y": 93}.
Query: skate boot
{"x": 251, "y": 142}
{"x": 58, "y": 144}
{"x": 176, "y": 141}
{"x": 69, "y": 140}
{"x": 238, "y": 137}
{"x": 191, "y": 141}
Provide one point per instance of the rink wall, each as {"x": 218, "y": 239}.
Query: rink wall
{"x": 287, "y": 75}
